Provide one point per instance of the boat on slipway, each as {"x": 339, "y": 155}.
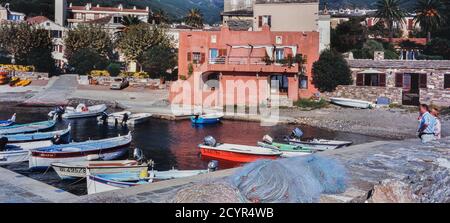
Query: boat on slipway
{"x": 206, "y": 119}
{"x": 235, "y": 152}
{"x": 9, "y": 122}
{"x": 353, "y": 103}
{"x": 18, "y": 152}
{"x": 315, "y": 144}
{"x": 27, "y": 128}
{"x": 288, "y": 150}
{"x": 39, "y": 136}
{"x": 104, "y": 149}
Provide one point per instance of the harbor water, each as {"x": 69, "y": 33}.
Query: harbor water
{"x": 170, "y": 144}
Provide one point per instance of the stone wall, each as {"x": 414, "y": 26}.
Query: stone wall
{"x": 31, "y": 75}
{"x": 367, "y": 93}
{"x": 435, "y": 92}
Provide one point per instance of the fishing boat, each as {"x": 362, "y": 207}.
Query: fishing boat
{"x": 8, "y": 122}
{"x": 72, "y": 170}
{"x": 104, "y": 149}
{"x": 4, "y": 77}
{"x": 18, "y": 152}
{"x": 108, "y": 182}
{"x": 315, "y": 144}
{"x": 288, "y": 150}
{"x": 83, "y": 111}
{"x": 27, "y": 128}
{"x": 39, "y": 136}
{"x": 235, "y": 152}
{"x": 22, "y": 83}
{"x": 206, "y": 119}
{"x": 118, "y": 117}
{"x": 347, "y": 102}
{"x": 14, "y": 81}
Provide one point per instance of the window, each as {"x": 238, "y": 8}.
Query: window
{"x": 213, "y": 55}
{"x": 56, "y": 34}
{"x": 303, "y": 82}
{"x": 117, "y": 19}
{"x": 264, "y": 20}
{"x": 376, "y": 80}
{"x": 278, "y": 40}
{"x": 279, "y": 54}
{"x": 446, "y": 80}
{"x": 213, "y": 39}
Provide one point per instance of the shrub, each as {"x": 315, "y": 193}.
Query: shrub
{"x": 100, "y": 73}
{"x": 13, "y": 67}
{"x": 330, "y": 71}
{"x": 113, "y": 69}
{"x": 311, "y": 103}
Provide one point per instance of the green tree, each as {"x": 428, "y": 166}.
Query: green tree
{"x": 85, "y": 60}
{"x": 114, "y": 69}
{"x": 158, "y": 17}
{"x": 429, "y": 14}
{"x": 158, "y": 60}
{"x": 138, "y": 39}
{"x": 348, "y": 35}
{"x": 390, "y": 12}
{"x": 194, "y": 18}
{"x": 89, "y": 37}
{"x": 27, "y": 45}
{"x": 330, "y": 71}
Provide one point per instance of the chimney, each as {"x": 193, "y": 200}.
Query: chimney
{"x": 378, "y": 55}
{"x": 134, "y": 7}
{"x": 120, "y": 7}
{"x": 61, "y": 12}
{"x": 98, "y": 6}
{"x": 88, "y": 6}
{"x": 147, "y": 9}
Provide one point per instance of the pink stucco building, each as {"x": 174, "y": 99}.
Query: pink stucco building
{"x": 244, "y": 66}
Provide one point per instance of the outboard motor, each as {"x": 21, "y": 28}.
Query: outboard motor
{"x": 3, "y": 143}
{"x": 296, "y": 133}
{"x": 267, "y": 139}
{"x": 104, "y": 117}
{"x": 209, "y": 141}
{"x": 138, "y": 155}
{"x": 213, "y": 165}
{"x": 57, "y": 140}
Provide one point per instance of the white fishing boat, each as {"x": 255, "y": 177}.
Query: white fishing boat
{"x": 314, "y": 144}
{"x": 108, "y": 182}
{"x": 18, "y": 152}
{"x": 72, "y": 170}
{"x": 347, "y": 102}
{"x": 118, "y": 118}
{"x": 104, "y": 149}
{"x": 83, "y": 111}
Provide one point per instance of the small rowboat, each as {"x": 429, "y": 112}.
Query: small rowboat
{"x": 319, "y": 144}
{"x": 206, "y": 119}
{"x": 82, "y": 111}
{"x": 8, "y": 122}
{"x": 346, "y": 102}
{"x": 16, "y": 153}
{"x": 287, "y": 149}
{"x": 236, "y": 153}
{"x": 104, "y": 149}
{"x": 107, "y": 182}
{"x": 27, "y": 128}
{"x": 72, "y": 170}
{"x": 38, "y": 136}
{"x": 133, "y": 119}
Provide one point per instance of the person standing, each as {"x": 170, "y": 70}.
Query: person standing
{"x": 437, "y": 128}
{"x": 427, "y": 124}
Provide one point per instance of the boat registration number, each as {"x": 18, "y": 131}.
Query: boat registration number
{"x": 73, "y": 170}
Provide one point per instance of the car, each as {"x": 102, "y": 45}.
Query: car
{"x": 119, "y": 83}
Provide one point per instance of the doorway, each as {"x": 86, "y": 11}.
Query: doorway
{"x": 411, "y": 88}
{"x": 283, "y": 83}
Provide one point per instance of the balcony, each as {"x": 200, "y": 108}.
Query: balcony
{"x": 248, "y": 64}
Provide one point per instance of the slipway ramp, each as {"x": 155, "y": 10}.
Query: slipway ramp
{"x": 56, "y": 94}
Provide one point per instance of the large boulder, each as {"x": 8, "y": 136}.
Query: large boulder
{"x": 392, "y": 191}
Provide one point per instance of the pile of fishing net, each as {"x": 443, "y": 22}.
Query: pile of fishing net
{"x": 292, "y": 180}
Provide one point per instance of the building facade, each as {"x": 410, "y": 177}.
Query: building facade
{"x": 405, "y": 82}
{"x": 7, "y": 15}
{"x": 256, "y": 64}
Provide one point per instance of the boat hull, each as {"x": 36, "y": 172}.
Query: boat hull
{"x": 234, "y": 156}
{"x": 351, "y": 103}
{"x": 27, "y": 128}
{"x": 94, "y": 111}
{"x": 320, "y": 146}
{"x": 40, "y": 136}
{"x": 204, "y": 120}
{"x": 99, "y": 185}
{"x": 68, "y": 171}
{"x": 10, "y": 157}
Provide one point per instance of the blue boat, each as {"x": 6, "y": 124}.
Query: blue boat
{"x": 206, "y": 119}
{"x": 27, "y": 128}
{"x": 8, "y": 122}
{"x": 39, "y": 136}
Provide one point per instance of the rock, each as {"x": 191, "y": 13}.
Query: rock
{"x": 208, "y": 193}
{"x": 391, "y": 191}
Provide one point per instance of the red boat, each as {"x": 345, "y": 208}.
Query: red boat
{"x": 238, "y": 153}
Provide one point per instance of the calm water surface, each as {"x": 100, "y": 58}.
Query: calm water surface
{"x": 168, "y": 143}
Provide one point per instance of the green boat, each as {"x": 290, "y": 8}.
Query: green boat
{"x": 287, "y": 149}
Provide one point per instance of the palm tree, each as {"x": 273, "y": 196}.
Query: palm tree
{"x": 159, "y": 17}
{"x": 390, "y": 13}
{"x": 130, "y": 20}
{"x": 429, "y": 15}
{"x": 194, "y": 18}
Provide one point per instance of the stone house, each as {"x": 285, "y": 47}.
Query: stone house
{"x": 406, "y": 82}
